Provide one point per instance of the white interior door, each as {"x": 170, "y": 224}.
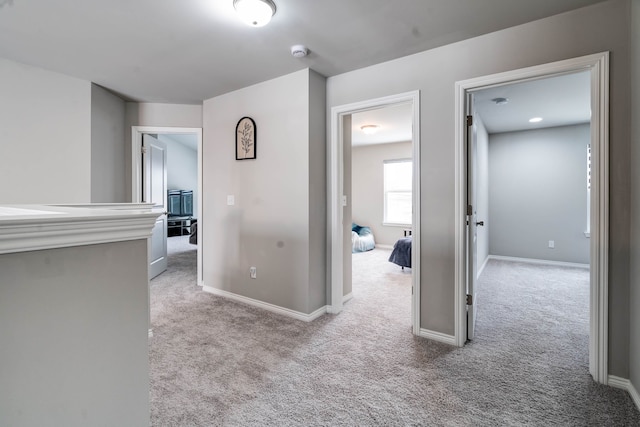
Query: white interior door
{"x": 154, "y": 190}
{"x": 472, "y": 224}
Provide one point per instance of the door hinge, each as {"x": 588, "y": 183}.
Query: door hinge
{"x": 469, "y": 120}
{"x": 144, "y": 150}
{"x": 469, "y": 299}
{"x": 469, "y": 210}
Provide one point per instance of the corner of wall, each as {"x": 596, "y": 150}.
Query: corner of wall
{"x": 317, "y": 191}
{"x": 634, "y": 273}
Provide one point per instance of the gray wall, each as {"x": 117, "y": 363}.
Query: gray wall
{"x": 45, "y": 134}
{"x": 482, "y": 192}
{"x": 182, "y": 167}
{"x": 538, "y": 192}
{"x": 634, "y": 355}
{"x": 435, "y": 72}
{"x": 317, "y": 191}
{"x": 74, "y": 337}
{"x": 347, "y": 211}
{"x": 367, "y": 163}
{"x": 107, "y": 147}
{"x": 158, "y": 115}
{"x": 269, "y": 226}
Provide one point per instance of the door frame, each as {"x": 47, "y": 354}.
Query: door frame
{"x": 136, "y": 173}
{"x": 336, "y": 191}
{"x": 598, "y": 65}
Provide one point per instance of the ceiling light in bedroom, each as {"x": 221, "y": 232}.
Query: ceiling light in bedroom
{"x": 256, "y": 13}
{"x": 535, "y": 120}
{"x": 500, "y": 101}
{"x": 369, "y": 129}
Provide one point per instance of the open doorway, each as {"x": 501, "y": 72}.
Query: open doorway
{"x": 341, "y": 198}
{"x": 592, "y": 218}
{"x": 532, "y": 142}
{"x": 182, "y": 151}
{"x": 381, "y": 175}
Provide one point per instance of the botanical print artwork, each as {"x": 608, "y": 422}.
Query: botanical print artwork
{"x": 246, "y": 139}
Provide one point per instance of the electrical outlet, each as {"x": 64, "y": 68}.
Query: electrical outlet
{"x": 552, "y": 244}
{"x": 253, "y": 272}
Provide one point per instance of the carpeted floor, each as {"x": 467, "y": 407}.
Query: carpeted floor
{"x": 217, "y": 362}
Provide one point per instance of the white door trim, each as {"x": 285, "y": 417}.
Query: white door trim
{"x": 598, "y": 65}
{"x": 136, "y": 172}
{"x": 336, "y": 186}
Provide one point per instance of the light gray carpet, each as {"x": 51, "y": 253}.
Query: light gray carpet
{"x": 217, "y": 362}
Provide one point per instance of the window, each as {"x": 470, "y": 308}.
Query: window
{"x": 398, "y": 179}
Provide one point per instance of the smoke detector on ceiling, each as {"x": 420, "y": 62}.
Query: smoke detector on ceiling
{"x": 299, "y": 51}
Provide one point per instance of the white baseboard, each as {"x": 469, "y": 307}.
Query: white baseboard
{"x": 267, "y": 306}
{"x": 538, "y": 261}
{"x": 347, "y": 297}
{"x": 438, "y": 336}
{"x": 484, "y": 264}
{"x": 625, "y": 384}
{"x": 633, "y": 392}
{"x": 384, "y": 246}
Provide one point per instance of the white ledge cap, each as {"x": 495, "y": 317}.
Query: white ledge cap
{"x": 35, "y": 227}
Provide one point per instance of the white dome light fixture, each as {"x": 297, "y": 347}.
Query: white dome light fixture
{"x": 256, "y": 13}
{"x": 535, "y": 120}
{"x": 369, "y": 129}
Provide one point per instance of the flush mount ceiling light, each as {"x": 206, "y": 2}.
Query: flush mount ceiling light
{"x": 535, "y": 120}
{"x": 500, "y": 101}
{"x": 256, "y": 13}
{"x": 369, "y": 129}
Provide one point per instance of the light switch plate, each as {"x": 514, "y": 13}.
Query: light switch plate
{"x": 231, "y": 200}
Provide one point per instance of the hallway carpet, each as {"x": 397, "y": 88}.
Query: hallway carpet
{"x": 215, "y": 362}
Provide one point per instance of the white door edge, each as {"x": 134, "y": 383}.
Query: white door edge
{"x": 598, "y": 65}
{"x": 335, "y": 190}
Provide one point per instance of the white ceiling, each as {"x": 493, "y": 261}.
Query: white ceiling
{"x": 560, "y": 101}
{"x": 394, "y": 125}
{"x": 189, "y": 50}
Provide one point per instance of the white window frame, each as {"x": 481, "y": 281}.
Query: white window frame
{"x": 384, "y": 192}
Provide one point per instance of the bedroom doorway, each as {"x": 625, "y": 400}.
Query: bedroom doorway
{"x": 380, "y": 170}
{"x": 341, "y": 200}
{"x": 473, "y": 221}
{"x": 184, "y": 147}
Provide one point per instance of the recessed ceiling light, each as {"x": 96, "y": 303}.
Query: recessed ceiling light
{"x": 369, "y": 129}
{"x": 256, "y": 13}
{"x": 500, "y": 101}
{"x": 535, "y": 120}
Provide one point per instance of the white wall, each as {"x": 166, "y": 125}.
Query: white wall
{"x": 45, "y": 135}
{"x": 482, "y": 192}
{"x": 270, "y": 224}
{"x": 367, "y": 166}
{"x": 182, "y": 167}
{"x": 634, "y": 354}
{"x": 108, "y": 153}
{"x": 538, "y": 193}
{"x": 434, "y": 73}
